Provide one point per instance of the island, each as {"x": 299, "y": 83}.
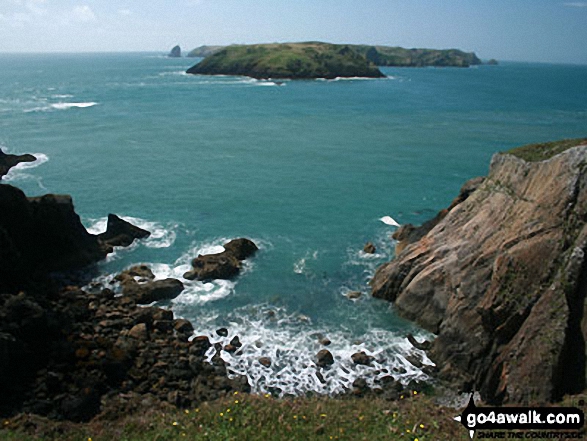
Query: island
{"x": 288, "y": 61}
{"x": 391, "y": 56}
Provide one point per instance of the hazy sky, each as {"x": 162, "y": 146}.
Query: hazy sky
{"x": 525, "y": 30}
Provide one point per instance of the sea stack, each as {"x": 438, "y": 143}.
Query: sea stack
{"x": 175, "y": 52}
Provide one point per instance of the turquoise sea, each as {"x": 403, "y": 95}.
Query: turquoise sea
{"x": 305, "y": 168}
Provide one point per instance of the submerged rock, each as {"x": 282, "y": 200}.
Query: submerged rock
{"x": 500, "y": 278}
{"x": 149, "y": 292}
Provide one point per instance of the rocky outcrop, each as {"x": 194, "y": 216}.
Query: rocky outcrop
{"x": 501, "y": 279}
{"x": 41, "y": 234}
{"x": 224, "y": 265}
{"x": 175, "y": 52}
{"x": 8, "y": 161}
{"x": 120, "y": 233}
{"x": 70, "y": 354}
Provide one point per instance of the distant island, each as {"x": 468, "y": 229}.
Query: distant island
{"x": 320, "y": 60}
{"x": 291, "y": 60}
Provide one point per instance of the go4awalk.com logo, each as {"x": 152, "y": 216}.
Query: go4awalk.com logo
{"x": 545, "y": 422}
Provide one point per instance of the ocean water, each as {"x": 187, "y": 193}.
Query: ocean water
{"x": 304, "y": 168}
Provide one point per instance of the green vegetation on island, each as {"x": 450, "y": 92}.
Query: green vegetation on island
{"x": 291, "y": 60}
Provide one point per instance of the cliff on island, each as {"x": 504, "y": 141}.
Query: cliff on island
{"x": 400, "y": 57}
{"x": 288, "y": 61}
{"x": 501, "y": 277}
{"x": 203, "y": 51}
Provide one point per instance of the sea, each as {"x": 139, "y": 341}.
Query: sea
{"x": 306, "y": 169}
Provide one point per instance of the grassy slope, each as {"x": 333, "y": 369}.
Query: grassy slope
{"x": 546, "y": 150}
{"x": 294, "y": 60}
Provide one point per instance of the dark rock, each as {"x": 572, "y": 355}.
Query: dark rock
{"x": 414, "y": 360}
{"x": 175, "y": 52}
{"x": 324, "y": 358}
{"x": 8, "y": 161}
{"x": 265, "y": 361}
{"x": 230, "y": 348}
{"x": 41, "y": 234}
{"x": 424, "y": 346}
{"x": 241, "y": 248}
{"x": 360, "y": 386}
{"x": 236, "y": 342}
{"x": 222, "y": 332}
{"x": 224, "y": 265}
{"x": 213, "y": 266}
{"x": 369, "y": 248}
{"x": 200, "y": 345}
{"x": 141, "y": 271}
{"x": 362, "y": 358}
{"x": 120, "y": 233}
{"x": 156, "y": 291}
{"x": 325, "y": 341}
{"x": 183, "y": 326}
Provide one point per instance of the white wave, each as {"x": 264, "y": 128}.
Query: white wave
{"x": 61, "y": 96}
{"x": 300, "y": 265}
{"x": 388, "y": 220}
{"x": 162, "y": 236}
{"x": 65, "y": 106}
{"x": 292, "y": 344}
{"x": 353, "y": 79}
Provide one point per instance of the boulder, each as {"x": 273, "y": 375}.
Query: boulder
{"x": 144, "y": 293}
{"x": 424, "y": 346}
{"x": 500, "y": 278}
{"x": 141, "y": 271}
{"x": 369, "y": 248}
{"x": 362, "y": 358}
{"x": 265, "y": 361}
{"x": 120, "y": 233}
{"x": 224, "y": 265}
{"x": 324, "y": 358}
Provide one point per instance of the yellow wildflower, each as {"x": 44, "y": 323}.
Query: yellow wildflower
{"x": 235, "y": 401}
{"x": 175, "y": 423}
{"x": 295, "y": 417}
{"x": 236, "y": 392}
{"x": 323, "y": 415}
{"x": 421, "y": 426}
{"x": 187, "y": 411}
{"x": 228, "y": 410}
{"x": 415, "y": 392}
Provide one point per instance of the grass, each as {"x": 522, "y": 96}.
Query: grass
{"x": 262, "y": 417}
{"x": 251, "y": 417}
{"x": 546, "y": 150}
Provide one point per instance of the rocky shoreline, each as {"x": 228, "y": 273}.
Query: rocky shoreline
{"x": 71, "y": 354}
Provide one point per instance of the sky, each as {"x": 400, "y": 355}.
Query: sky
{"x": 520, "y": 30}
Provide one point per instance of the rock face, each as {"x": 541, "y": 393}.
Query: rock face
{"x": 120, "y": 233}
{"x": 502, "y": 279}
{"x": 175, "y": 52}
{"x": 224, "y": 265}
{"x": 9, "y": 161}
{"x": 41, "y": 234}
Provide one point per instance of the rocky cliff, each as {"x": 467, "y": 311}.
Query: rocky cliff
{"x": 8, "y": 161}
{"x": 501, "y": 278}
